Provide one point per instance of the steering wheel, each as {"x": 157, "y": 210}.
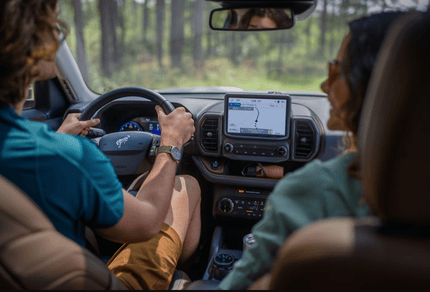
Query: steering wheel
{"x": 127, "y": 150}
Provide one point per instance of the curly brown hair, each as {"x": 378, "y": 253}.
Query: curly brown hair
{"x": 28, "y": 34}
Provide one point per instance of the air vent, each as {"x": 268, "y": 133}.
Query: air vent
{"x": 304, "y": 140}
{"x": 209, "y": 132}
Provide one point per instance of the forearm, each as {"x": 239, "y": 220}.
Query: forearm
{"x": 157, "y": 189}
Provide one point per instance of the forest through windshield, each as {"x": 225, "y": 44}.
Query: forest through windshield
{"x": 162, "y": 44}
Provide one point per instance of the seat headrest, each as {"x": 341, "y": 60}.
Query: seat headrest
{"x": 350, "y": 254}
{"x": 395, "y": 126}
{"x": 34, "y": 255}
{"x": 20, "y": 211}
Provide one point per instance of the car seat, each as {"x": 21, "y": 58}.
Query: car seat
{"x": 392, "y": 249}
{"x": 34, "y": 255}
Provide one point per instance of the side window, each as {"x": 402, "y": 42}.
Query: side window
{"x": 30, "y": 102}
{"x": 46, "y": 102}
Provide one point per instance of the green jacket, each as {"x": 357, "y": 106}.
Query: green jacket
{"x": 317, "y": 190}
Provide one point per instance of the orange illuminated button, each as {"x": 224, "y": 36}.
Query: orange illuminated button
{"x": 241, "y": 191}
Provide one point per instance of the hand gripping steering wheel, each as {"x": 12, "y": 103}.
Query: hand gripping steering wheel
{"x": 127, "y": 150}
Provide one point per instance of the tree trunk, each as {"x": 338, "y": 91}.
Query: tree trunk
{"x": 135, "y": 14}
{"x": 113, "y": 22}
{"x": 160, "y": 28}
{"x": 217, "y": 39}
{"x": 121, "y": 23}
{"x": 323, "y": 28}
{"x": 308, "y": 34}
{"x": 177, "y": 33}
{"x": 209, "y": 42}
{"x": 332, "y": 29}
{"x": 145, "y": 21}
{"x": 199, "y": 8}
{"x": 105, "y": 44}
{"x": 281, "y": 38}
{"x": 80, "y": 41}
{"x": 234, "y": 48}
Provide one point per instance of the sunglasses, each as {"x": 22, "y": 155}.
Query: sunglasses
{"x": 63, "y": 30}
{"x": 334, "y": 70}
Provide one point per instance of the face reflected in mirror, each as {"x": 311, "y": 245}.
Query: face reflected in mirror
{"x": 265, "y": 18}
{"x": 252, "y": 19}
{"x": 261, "y": 23}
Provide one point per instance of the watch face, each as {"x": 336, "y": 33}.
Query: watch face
{"x": 176, "y": 153}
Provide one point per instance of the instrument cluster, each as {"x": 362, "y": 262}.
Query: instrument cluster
{"x": 145, "y": 124}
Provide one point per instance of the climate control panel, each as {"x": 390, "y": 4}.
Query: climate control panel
{"x": 240, "y": 207}
{"x": 232, "y": 203}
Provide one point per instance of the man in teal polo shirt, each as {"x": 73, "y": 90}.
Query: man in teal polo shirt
{"x": 73, "y": 182}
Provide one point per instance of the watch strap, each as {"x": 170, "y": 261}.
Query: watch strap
{"x": 165, "y": 149}
{"x": 160, "y": 149}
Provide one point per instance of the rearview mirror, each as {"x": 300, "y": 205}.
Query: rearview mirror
{"x": 254, "y": 18}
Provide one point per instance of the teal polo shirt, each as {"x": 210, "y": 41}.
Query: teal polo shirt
{"x": 71, "y": 180}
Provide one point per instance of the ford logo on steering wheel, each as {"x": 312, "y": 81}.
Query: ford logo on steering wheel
{"x": 122, "y": 141}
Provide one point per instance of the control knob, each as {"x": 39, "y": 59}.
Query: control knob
{"x": 226, "y": 205}
{"x": 282, "y": 151}
{"x": 228, "y": 147}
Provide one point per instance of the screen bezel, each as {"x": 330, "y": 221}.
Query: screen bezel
{"x": 258, "y": 96}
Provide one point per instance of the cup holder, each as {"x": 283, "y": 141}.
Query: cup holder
{"x": 222, "y": 264}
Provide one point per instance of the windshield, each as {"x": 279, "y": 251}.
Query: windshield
{"x": 162, "y": 44}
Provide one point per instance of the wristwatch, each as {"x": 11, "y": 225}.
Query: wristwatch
{"x": 174, "y": 152}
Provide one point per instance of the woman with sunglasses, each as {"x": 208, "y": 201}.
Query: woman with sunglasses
{"x": 320, "y": 189}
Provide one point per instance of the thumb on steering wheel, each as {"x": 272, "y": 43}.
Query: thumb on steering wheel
{"x": 160, "y": 111}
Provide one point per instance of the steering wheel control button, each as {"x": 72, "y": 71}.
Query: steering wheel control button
{"x": 95, "y": 141}
{"x": 157, "y": 142}
{"x": 226, "y": 205}
{"x": 95, "y": 132}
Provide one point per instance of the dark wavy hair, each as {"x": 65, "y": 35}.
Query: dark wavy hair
{"x": 278, "y": 15}
{"x": 28, "y": 34}
{"x": 366, "y": 37}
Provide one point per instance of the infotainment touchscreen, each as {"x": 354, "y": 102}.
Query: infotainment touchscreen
{"x": 256, "y": 116}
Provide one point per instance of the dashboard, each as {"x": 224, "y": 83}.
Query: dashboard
{"x": 235, "y": 133}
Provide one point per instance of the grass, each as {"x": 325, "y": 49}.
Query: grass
{"x": 145, "y": 72}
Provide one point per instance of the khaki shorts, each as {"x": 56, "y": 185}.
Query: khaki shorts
{"x": 148, "y": 265}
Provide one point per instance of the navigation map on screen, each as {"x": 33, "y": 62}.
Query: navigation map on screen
{"x": 254, "y": 116}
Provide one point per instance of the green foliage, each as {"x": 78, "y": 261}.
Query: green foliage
{"x": 271, "y": 60}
